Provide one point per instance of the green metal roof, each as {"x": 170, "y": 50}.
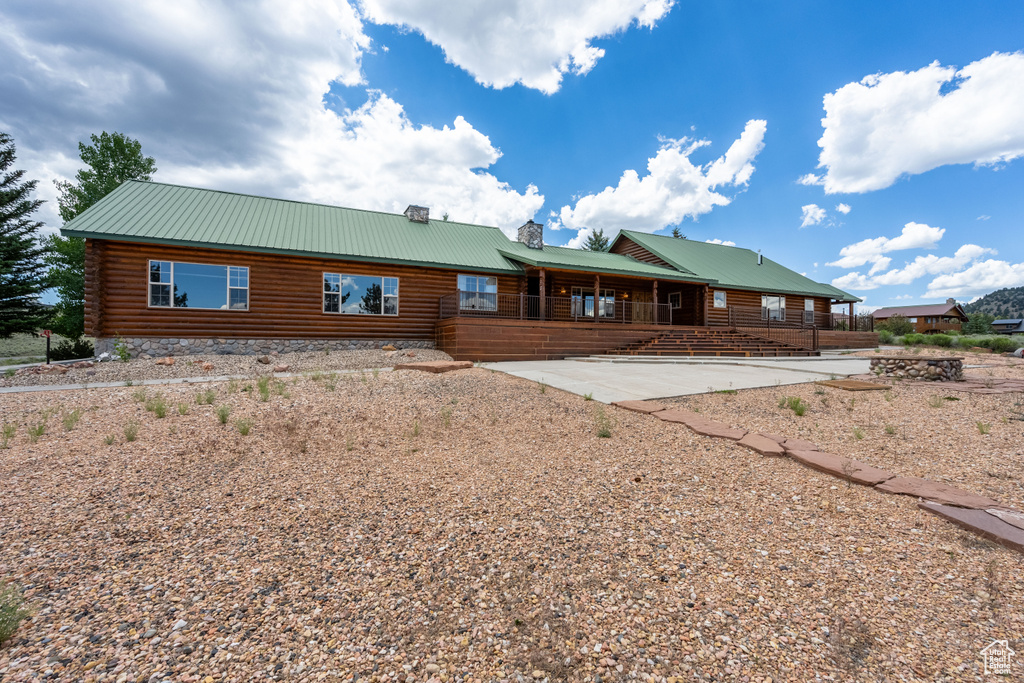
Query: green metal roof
{"x": 591, "y": 262}
{"x": 172, "y": 214}
{"x": 732, "y": 267}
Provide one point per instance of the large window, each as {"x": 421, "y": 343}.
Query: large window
{"x": 809, "y": 311}
{"x": 773, "y": 307}
{"x": 719, "y": 299}
{"x": 478, "y": 292}
{"x": 360, "y": 294}
{"x": 198, "y": 285}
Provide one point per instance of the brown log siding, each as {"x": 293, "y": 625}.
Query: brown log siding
{"x": 284, "y": 296}
{"x": 628, "y": 247}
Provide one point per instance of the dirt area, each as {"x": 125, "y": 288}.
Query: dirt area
{"x": 472, "y": 526}
{"x": 219, "y": 366}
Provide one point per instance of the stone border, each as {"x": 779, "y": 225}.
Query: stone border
{"x": 946, "y": 501}
{"x": 935, "y": 369}
{"x": 223, "y": 346}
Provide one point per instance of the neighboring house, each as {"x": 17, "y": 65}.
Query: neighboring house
{"x": 1008, "y": 326}
{"x": 928, "y": 319}
{"x": 174, "y": 269}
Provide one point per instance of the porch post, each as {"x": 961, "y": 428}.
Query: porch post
{"x": 543, "y": 286}
{"x": 654, "y": 310}
{"x": 597, "y": 297}
{"x": 522, "y": 296}
{"x": 850, "y": 326}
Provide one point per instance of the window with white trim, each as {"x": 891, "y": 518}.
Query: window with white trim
{"x": 174, "y": 284}
{"x": 773, "y": 307}
{"x": 360, "y": 294}
{"x": 719, "y": 299}
{"x": 808, "y": 311}
{"x": 478, "y": 292}
{"x": 675, "y": 299}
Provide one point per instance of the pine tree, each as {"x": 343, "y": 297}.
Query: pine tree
{"x": 596, "y": 241}
{"x": 111, "y": 159}
{"x": 22, "y": 273}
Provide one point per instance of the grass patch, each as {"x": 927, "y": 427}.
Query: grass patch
{"x": 542, "y": 386}
{"x": 446, "y": 416}
{"x": 12, "y": 610}
{"x": 7, "y": 434}
{"x": 20, "y": 361}
{"x": 206, "y": 398}
{"x": 729, "y": 392}
{"x": 71, "y": 419}
{"x": 858, "y": 433}
{"x": 36, "y": 431}
{"x": 263, "y": 386}
{"x": 24, "y": 344}
{"x": 131, "y": 430}
{"x": 984, "y": 427}
{"x": 182, "y": 409}
{"x": 794, "y": 403}
{"x": 935, "y": 401}
{"x": 244, "y": 425}
{"x": 890, "y": 430}
{"x": 588, "y": 397}
{"x": 223, "y": 412}
{"x": 157, "y": 405}
{"x": 602, "y": 423}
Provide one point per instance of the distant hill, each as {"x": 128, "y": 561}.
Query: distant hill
{"x": 1002, "y": 303}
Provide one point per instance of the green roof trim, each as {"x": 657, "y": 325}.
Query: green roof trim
{"x": 732, "y": 267}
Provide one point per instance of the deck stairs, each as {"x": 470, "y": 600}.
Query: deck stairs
{"x": 711, "y": 342}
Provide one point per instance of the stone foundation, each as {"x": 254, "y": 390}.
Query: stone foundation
{"x": 949, "y": 369}
{"x": 173, "y": 346}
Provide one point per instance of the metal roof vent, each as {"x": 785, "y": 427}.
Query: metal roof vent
{"x": 532, "y": 234}
{"x": 418, "y": 214}
{"x": 759, "y": 257}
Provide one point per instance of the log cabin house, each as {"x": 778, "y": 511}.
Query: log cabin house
{"x": 927, "y": 319}
{"x": 180, "y": 270}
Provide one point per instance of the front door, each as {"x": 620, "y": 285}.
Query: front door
{"x": 643, "y": 306}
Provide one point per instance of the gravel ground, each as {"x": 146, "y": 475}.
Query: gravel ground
{"x": 472, "y": 526}
{"x": 248, "y": 366}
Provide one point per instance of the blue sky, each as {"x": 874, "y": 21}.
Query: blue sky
{"x": 875, "y": 146}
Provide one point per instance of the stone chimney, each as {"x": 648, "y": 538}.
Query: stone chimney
{"x": 532, "y": 234}
{"x": 951, "y": 302}
{"x": 418, "y": 214}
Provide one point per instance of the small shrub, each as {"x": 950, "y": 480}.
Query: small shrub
{"x": 37, "y": 431}
{"x": 182, "y": 409}
{"x": 897, "y": 325}
{"x": 588, "y": 397}
{"x": 206, "y": 398}
{"x": 223, "y": 412}
{"x": 131, "y": 430}
{"x": 109, "y": 439}
{"x": 543, "y": 387}
{"x": 796, "y": 404}
{"x": 233, "y": 386}
{"x": 446, "y": 416}
{"x": 858, "y": 433}
{"x": 139, "y": 395}
{"x": 71, "y": 419}
{"x": 935, "y": 401}
{"x": 12, "y": 610}
{"x": 72, "y": 350}
{"x": 890, "y": 430}
{"x": 886, "y": 337}
{"x": 376, "y": 373}
{"x": 415, "y": 428}
{"x": 984, "y": 428}
{"x": 942, "y": 340}
{"x": 121, "y": 350}
{"x": 914, "y": 339}
{"x": 263, "y": 385}
{"x": 244, "y": 425}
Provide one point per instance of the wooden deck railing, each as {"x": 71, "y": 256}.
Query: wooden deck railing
{"x": 525, "y": 307}
{"x": 789, "y": 328}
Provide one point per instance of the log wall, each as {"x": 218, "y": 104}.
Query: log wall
{"x": 284, "y": 296}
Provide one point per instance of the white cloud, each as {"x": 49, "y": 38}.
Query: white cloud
{"x": 724, "y": 243}
{"x": 232, "y": 97}
{"x": 812, "y": 215}
{"x": 533, "y": 42}
{"x": 843, "y": 208}
{"x": 984, "y": 217}
{"x": 903, "y": 297}
{"x": 900, "y": 123}
{"x": 913, "y": 236}
{"x": 982, "y": 277}
{"x": 918, "y": 268}
{"x": 673, "y": 189}
{"x": 810, "y": 179}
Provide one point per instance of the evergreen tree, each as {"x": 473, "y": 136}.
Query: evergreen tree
{"x": 111, "y": 159}
{"x": 22, "y": 274}
{"x": 596, "y": 241}
{"x": 677, "y": 234}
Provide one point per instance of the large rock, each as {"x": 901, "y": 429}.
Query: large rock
{"x": 645, "y": 407}
{"x": 677, "y": 415}
{"x": 1014, "y": 517}
{"x": 844, "y": 468}
{"x": 762, "y": 444}
{"x": 436, "y": 366}
{"x": 937, "y": 493}
{"x": 701, "y": 424}
{"x": 799, "y": 445}
{"x": 981, "y": 523}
